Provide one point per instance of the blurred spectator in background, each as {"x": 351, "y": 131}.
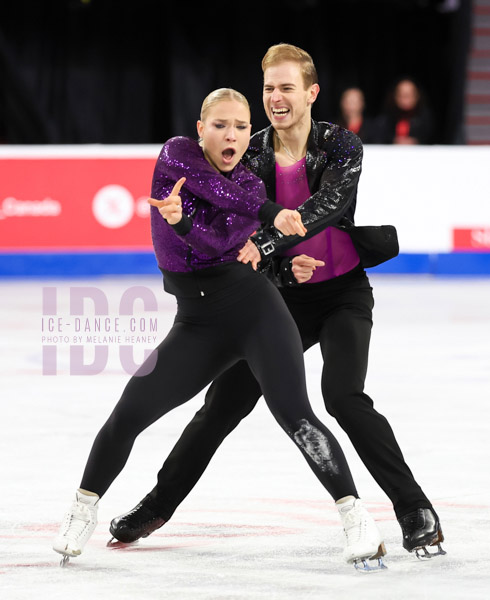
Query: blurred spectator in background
{"x": 407, "y": 117}
{"x": 352, "y": 114}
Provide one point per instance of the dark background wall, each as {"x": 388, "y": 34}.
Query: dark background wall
{"x": 107, "y": 71}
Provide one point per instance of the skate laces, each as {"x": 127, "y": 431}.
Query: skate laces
{"x": 141, "y": 510}
{"x": 137, "y": 510}
{"x": 77, "y": 520}
{"x": 353, "y": 521}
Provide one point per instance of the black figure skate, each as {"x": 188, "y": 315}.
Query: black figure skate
{"x": 139, "y": 522}
{"x": 421, "y": 528}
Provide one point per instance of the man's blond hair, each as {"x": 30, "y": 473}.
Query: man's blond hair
{"x": 280, "y": 53}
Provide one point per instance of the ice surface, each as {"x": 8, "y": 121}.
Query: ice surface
{"x": 258, "y": 525}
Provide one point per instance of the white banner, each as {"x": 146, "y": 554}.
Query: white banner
{"x": 427, "y": 192}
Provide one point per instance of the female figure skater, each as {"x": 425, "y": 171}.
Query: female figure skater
{"x": 226, "y": 312}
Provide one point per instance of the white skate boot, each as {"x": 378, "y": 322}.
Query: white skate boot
{"x": 363, "y": 540}
{"x": 77, "y": 526}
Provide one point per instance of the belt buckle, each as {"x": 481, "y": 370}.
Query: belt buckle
{"x": 267, "y": 248}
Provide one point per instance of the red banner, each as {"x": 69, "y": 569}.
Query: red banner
{"x": 477, "y": 238}
{"x": 75, "y": 203}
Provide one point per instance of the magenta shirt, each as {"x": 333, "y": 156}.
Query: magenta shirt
{"x": 331, "y": 245}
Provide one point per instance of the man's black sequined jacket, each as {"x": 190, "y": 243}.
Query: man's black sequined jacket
{"x": 333, "y": 167}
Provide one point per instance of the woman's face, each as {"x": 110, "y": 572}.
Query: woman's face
{"x": 225, "y": 133}
{"x": 352, "y": 102}
{"x": 406, "y": 95}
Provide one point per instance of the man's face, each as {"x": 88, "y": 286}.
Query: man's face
{"x": 286, "y": 101}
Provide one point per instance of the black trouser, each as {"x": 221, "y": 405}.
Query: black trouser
{"x": 337, "y": 314}
{"x": 248, "y": 320}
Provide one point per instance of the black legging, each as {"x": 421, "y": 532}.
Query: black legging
{"x": 246, "y": 320}
{"x": 337, "y": 314}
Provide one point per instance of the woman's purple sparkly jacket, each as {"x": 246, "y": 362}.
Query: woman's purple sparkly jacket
{"x": 220, "y": 211}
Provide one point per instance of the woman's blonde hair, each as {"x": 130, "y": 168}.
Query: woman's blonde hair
{"x": 288, "y": 53}
{"x": 221, "y": 94}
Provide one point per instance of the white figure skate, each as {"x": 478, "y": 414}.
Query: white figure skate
{"x": 78, "y": 525}
{"x": 363, "y": 540}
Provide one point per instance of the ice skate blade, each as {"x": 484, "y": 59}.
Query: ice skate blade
{"x": 64, "y": 561}
{"x": 424, "y": 554}
{"x": 66, "y": 555}
{"x": 114, "y": 543}
{"x": 363, "y": 566}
